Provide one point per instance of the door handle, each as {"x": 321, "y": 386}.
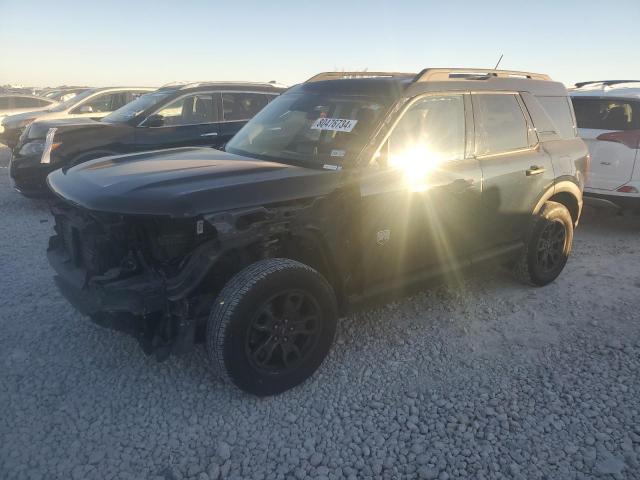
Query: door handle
{"x": 535, "y": 170}
{"x": 211, "y": 134}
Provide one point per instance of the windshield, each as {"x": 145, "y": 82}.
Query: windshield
{"x": 135, "y": 108}
{"x": 71, "y": 102}
{"x": 315, "y": 129}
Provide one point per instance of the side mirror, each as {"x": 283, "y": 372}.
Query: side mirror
{"x": 86, "y": 109}
{"x": 381, "y": 157}
{"x": 154, "y": 121}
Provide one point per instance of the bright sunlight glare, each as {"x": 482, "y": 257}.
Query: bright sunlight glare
{"x": 417, "y": 162}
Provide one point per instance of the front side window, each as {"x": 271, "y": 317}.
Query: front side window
{"x": 430, "y": 132}
{"x": 106, "y": 102}
{"x": 190, "y": 110}
{"x": 500, "y": 124}
{"x": 4, "y": 102}
{"x": 72, "y": 102}
{"x": 310, "y": 128}
{"x": 602, "y": 114}
{"x": 238, "y": 106}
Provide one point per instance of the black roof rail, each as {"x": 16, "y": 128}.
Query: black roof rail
{"x": 345, "y": 75}
{"x": 606, "y": 83}
{"x": 445, "y": 74}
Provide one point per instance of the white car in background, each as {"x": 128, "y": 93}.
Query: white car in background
{"x": 13, "y": 103}
{"x": 608, "y": 120}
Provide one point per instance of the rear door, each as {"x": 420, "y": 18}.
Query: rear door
{"x": 611, "y": 130}
{"x": 516, "y": 170}
{"x": 189, "y": 120}
{"x": 237, "y": 109}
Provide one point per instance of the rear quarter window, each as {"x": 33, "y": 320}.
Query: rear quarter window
{"x": 606, "y": 114}
{"x": 559, "y": 111}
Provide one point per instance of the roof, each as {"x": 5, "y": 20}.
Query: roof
{"x": 607, "y": 88}
{"x": 24, "y": 95}
{"x": 435, "y": 79}
{"x": 181, "y": 86}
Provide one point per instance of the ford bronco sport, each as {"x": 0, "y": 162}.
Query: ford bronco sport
{"x": 342, "y": 187}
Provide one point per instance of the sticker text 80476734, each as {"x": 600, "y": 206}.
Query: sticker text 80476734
{"x": 334, "y": 124}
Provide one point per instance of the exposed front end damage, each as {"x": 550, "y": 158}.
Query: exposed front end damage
{"x": 156, "y": 277}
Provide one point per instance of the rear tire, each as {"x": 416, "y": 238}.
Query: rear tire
{"x": 547, "y": 246}
{"x": 271, "y": 326}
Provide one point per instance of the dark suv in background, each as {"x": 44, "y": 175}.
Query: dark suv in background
{"x": 206, "y": 114}
{"x": 341, "y": 188}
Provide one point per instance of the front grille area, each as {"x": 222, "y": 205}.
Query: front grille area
{"x": 88, "y": 244}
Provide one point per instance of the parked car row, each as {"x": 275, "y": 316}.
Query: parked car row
{"x": 340, "y": 188}
{"x": 93, "y": 103}
{"x": 206, "y": 114}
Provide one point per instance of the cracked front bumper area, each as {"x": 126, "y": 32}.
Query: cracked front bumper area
{"x": 135, "y": 305}
{"x": 140, "y": 294}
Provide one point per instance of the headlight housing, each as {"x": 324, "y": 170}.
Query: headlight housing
{"x": 32, "y": 148}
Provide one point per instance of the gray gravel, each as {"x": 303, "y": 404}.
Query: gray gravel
{"x": 477, "y": 378}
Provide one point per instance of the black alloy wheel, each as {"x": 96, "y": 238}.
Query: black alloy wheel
{"x": 283, "y": 331}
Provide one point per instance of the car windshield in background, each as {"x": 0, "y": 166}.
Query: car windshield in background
{"x": 314, "y": 129}
{"x": 71, "y": 102}
{"x": 135, "y": 108}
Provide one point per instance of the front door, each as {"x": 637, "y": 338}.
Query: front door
{"x": 191, "y": 120}
{"x": 420, "y": 195}
{"x": 611, "y": 130}
{"x": 516, "y": 170}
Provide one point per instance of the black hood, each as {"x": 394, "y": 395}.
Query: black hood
{"x": 39, "y": 129}
{"x": 185, "y": 182}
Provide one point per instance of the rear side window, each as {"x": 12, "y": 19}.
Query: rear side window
{"x": 604, "y": 114}
{"x": 559, "y": 111}
{"x": 242, "y": 106}
{"x": 499, "y": 123}
{"x": 4, "y": 102}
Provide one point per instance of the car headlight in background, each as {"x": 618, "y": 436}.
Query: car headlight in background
{"x": 49, "y": 146}
{"x": 32, "y": 148}
{"x": 1, "y": 127}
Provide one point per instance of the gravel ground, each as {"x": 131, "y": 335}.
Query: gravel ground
{"x": 478, "y": 378}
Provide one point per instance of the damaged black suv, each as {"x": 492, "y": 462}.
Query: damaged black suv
{"x": 345, "y": 186}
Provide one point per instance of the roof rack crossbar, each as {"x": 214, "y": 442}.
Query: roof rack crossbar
{"x": 345, "y": 75}
{"x": 447, "y": 74}
{"x": 605, "y": 82}
{"x": 185, "y": 85}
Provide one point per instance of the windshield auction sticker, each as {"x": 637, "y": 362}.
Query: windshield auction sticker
{"x": 334, "y": 124}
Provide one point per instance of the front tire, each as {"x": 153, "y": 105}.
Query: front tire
{"x": 547, "y": 246}
{"x": 271, "y": 326}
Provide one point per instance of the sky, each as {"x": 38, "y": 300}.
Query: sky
{"x": 140, "y": 42}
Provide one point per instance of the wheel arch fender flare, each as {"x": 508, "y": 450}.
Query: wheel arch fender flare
{"x": 565, "y": 192}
